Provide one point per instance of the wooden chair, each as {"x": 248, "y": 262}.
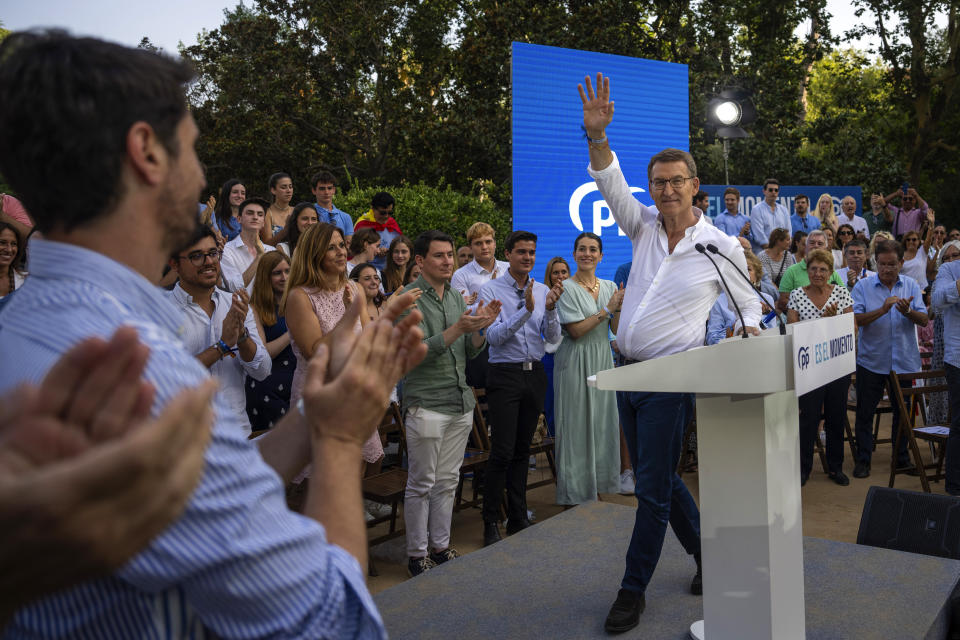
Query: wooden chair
{"x": 935, "y": 434}
{"x": 387, "y": 487}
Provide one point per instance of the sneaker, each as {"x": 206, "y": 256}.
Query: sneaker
{"x": 625, "y": 612}
{"x": 377, "y": 509}
{"x": 416, "y": 566}
{"x": 439, "y": 557}
{"x": 627, "y": 483}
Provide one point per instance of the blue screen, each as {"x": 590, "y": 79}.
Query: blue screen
{"x": 553, "y": 195}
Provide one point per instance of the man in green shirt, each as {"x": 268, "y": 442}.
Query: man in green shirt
{"x": 438, "y": 401}
{"x": 796, "y": 274}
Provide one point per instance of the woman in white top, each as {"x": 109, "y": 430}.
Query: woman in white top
{"x": 557, "y": 271}
{"x": 242, "y": 254}
{"x": 832, "y": 245}
{"x": 11, "y": 248}
{"x": 915, "y": 261}
{"x": 817, "y": 300}
{"x": 304, "y": 215}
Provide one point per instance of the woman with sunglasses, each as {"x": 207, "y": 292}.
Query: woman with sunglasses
{"x": 587, "y": 422}
{"x": 915, "y": 255}
{"x": 845, "y": 233}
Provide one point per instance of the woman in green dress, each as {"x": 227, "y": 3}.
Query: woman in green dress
{"x": 587, "y": 424}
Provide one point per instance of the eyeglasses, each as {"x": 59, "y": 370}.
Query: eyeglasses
{"x": 196, "y": 258}
{"x": 520, "y": 293}
{"x": 844, "y": 233}
{"x": 677, "y": 182}
{"x": 773, "y": 189}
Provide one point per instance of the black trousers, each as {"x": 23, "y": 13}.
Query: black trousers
{"x": 515, "y": 398}
{"x": 869, "y": 394}
{"x": 831, "y": 398}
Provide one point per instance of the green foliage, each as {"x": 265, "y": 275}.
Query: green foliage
{"x": 418, "y": 91}
{"x": 421, "y": 207}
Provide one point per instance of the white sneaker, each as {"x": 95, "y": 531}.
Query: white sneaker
{"x": 376, "y": 509}
{"x": 627, "y": 483}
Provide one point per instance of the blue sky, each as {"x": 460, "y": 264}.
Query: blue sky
{"x": 167, "y": 22}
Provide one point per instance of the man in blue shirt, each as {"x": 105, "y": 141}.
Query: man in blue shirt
{"x": 802, "y": 220}
{"x": 731, "y": 221}
{"x": 516, "y": 381}
{"x": 237, "y": 562}
{"x": 323, "y": 189}
{"x": 887, "y": 309}
{"x": 767, "y": 216}
{"x": 946, "y": 300}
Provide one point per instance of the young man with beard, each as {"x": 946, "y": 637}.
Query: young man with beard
{"x": 237, "y": 562}
{"x": 218, "y": 326}
{"x": 438, "y": 402}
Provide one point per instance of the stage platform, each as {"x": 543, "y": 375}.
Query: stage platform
{"x": 558, "y": 578}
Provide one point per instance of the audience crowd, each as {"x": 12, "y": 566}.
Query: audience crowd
{"x": 265, "y": 286}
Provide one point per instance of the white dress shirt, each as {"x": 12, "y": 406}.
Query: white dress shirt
{"x": 858, "y": 223}
{"x": 236, "y": 258}
{"x": 471, "y": 277}
{"x": 669, "y": 295}
{"x": 201, "y": 331}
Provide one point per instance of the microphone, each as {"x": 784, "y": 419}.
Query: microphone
{"x": 712, "y": 248}
{"x": 743, "y": 325}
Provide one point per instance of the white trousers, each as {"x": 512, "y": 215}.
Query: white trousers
{"x": 435, "y": 446}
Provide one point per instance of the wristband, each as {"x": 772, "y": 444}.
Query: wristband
{"x": 303, "y": 412}
{"x": 609, "y": 313}
{"x": 224, "y": 349}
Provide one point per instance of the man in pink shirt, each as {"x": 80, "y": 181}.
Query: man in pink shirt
{"x": 909, "y": 216}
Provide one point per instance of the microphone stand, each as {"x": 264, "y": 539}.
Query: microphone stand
{"x": 712, "y": 248}
{"x": 743, "y": 325}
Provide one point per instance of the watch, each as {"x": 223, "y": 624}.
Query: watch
{"x": 243, "y": 336}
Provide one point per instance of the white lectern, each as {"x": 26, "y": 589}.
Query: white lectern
{"x": 749, "y": 470}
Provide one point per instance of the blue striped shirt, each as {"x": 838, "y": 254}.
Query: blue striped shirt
{"x": 946, "y": 299}
{"x": 237, "y": 563}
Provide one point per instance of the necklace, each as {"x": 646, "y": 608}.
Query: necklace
{"x": 594, "y": 288}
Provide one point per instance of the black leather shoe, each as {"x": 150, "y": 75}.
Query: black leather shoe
{"x": 514, "y": 526}
{"x": 696, "y": 585}
{"x": 625, "y": 612}
{"x": 491, "y": 533}
{"x": 861, "y": 470}
{"x": 840, "y": 478}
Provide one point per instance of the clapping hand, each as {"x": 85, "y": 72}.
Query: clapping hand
{"x": 528, "y": 295}
{"x": 234, "y": 320}
{"x": 903, "y": 305}
{"x": 616, "y": 300}
{"x": 829, "y": 311}
{"x": 553, "y": 295}
{"x": 469, "y": 299}
{"x": 597, "y": 107}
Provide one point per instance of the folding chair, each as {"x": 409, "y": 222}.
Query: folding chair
{"x": 935, "y": 434}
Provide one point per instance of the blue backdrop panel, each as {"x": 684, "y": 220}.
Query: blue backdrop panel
{"x": 553, "y": 196}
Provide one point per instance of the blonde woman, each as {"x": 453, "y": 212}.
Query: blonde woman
{"x": 825, "y": 211}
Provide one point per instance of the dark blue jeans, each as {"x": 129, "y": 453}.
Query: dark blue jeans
{"x": 869, "y": 394}
{"x": 952, "y": 481}
{"x": 653, "y": 425}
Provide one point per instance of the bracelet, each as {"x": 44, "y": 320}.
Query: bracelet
{"x": 224, "y": 349}
{"x": 592, "y": 140}
{"x": 303, "y": 412}
{"x": 609, "y": 313}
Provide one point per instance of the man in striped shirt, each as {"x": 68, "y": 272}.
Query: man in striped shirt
{"x": 106, "y": 128}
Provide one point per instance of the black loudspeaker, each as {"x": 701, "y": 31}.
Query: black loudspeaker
{"x": 911, "y": 521}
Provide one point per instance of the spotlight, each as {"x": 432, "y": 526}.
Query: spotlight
{"x": 729, "y": 111}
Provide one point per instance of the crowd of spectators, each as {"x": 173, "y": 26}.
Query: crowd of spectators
{"x": 263, "y": 289}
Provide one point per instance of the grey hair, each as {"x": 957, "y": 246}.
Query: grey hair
{"x": 952, "y": 243}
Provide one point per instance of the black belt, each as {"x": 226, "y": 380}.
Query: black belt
{"x": 518, "y": 366}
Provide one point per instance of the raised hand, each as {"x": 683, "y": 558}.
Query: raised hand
{"x": 597, "y": 107}
{"x": 553, "y": 295}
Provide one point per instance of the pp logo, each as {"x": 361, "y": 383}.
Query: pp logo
{"x": 602, "y": 216}
{"x": 803, "y": 357}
